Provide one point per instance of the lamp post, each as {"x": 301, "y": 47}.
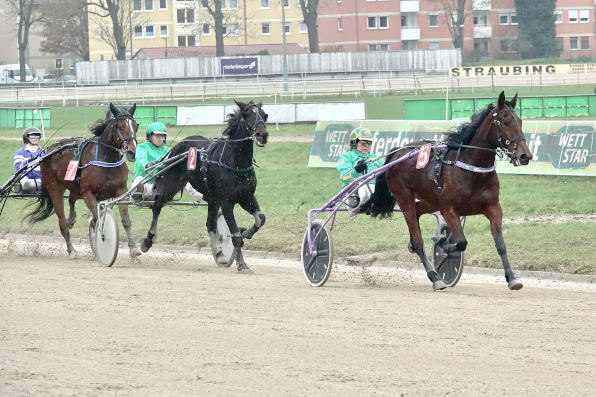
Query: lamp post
{"x": 166, "y": 39}
{"x": 283, "y": 30}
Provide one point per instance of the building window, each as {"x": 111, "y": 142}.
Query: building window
{"x": 340, "y": 47}
{"x": 206, "y": 29}
{"x": 372, "y": 23}
{"x": 148, "y": 5}
{"x": 339, "y": 24}
{"x": 100, "y": 33}
{"x": 503, "y": 19}
{"x": 302, "y": 28}
{"x": 163, "y": 4}
{"x": 288, "y": 29}
{"x": 138, "y": 32}
{"x": 504, "y": 46}
{"x": 339, "y": 1}
{"x": 233, "y": 4}
{"x": 513, "y": 18}
{"x": 286, "y": 3}
{"x": 383, "y": 22}
{"x": 572, "y": 16}
{"x": 149, "y": 31}
{"x": 433, "y": 21}
{"x": 433, "y": 45}
{"x": 163, "y": 30}
{"x": 559, "y": 14}
{"x": 264, "y": 3}
{"x": 185, "y": 15}
{"x": 584, "y": 16}
{"x": 585, "y": 42}
{"x": 137, "y": 5}
{"x": 233, "y": 29}
{"x": 560, "y": 44}
{"x": 265, "y": 29}
{"x": 573, "y": 43}
{"x": 73, "y": 63}
{"x": 384, "y": 47}
{"x": 186, "y": 41}
{"x": 58, "y": 63}
{"x": 372, "y": 47}
{"x": 204, "y": 4}
{"x": 454, "y": 20}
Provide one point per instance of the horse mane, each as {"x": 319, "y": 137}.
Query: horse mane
{"x": 464, "y": 132}
{"x": 100, "y": 125}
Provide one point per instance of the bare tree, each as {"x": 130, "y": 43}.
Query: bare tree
{"x": 65, "y": 27}
{"x": 27, "y": 13}
{"x": 309, "y": 12}
{"x": 223, "y": 22}
{"x": 114, "y": 22}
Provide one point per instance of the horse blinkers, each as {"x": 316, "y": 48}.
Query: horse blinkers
{"x": 521, "y": 154}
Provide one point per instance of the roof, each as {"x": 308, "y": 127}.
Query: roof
{"x": 209, "y": 51}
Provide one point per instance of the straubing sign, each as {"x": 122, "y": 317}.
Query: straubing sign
{"x": 240, "y": 66}
{"x": 522, "y": 70}
{"x": 558, "y": 147}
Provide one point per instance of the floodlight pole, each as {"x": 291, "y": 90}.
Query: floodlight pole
{"x": 283, "y": 31}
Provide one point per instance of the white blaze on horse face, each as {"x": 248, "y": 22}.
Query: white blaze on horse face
{"x": 131, "y": 131}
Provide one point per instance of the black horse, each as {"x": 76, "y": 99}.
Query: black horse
{"x": 224, "y": 174}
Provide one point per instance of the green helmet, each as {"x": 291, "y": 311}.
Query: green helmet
{"x": 156, "y": 128}
{"x": 360, "y": 134}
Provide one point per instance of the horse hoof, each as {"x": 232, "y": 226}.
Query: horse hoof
{"x": 221, "y": 260}
{"x": 242, "y": 267}
{"x": 144, "y": 248}
{"x": 134, "y": 252}
{"x": 410, "y": 248}
{"x": 439, "y": 285}
{"x": 515, "y": 284}
{"x": 73, "y": 254}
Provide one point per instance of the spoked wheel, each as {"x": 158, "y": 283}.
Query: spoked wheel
{"x": 225, "y": 238}
{"x": 448, "y": 266}
{"x": 107, "y": 238}
{"x": 317, "y": 264}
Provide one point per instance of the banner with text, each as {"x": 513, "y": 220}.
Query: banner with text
{"x": 558, "y": 147}
{"x": 522, "y": 70}
{"x": 239, "y": 66}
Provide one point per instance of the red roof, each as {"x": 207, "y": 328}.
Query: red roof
{"x": 209, "y": 51}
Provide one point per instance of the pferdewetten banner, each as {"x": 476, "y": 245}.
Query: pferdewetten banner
{"x": 240, "y": 66}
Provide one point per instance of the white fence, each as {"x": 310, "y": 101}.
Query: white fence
{"x": 104, "y": 72}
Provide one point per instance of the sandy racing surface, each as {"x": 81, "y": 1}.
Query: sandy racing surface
{"x": 178, "y": 325}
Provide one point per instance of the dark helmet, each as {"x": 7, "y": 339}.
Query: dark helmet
{"x": 31, "y": 132}
{"x": 360, "y": 134}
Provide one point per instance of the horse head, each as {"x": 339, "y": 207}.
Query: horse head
{"x": 510, "y": 136}
{"x": 126, "y": 130}
{"x": 255, "y": 118}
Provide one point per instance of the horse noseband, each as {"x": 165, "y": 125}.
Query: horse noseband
{"x": 515, "y": 141}
{"x": 125, "y": 142}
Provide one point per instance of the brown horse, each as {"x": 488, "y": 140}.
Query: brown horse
{"x": 470, "y": 185}
{"x": 102, "y": 173}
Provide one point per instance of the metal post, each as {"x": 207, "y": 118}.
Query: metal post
{"x": 283, "y": 30}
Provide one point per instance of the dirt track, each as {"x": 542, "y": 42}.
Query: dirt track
{"x": 178, "y": 325}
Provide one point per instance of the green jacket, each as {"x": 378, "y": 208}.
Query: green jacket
{"x": 146, "y": 153}
{"x": 347, "y": 162}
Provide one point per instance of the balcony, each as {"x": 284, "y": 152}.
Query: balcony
{"x": 482, "y": 31}
{"x": 410, "y": 33}
{"x": 479, "y": 5}
{"x": 411, "y": 6}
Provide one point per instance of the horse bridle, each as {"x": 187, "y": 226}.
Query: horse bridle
{"x": 515, "y": 141}
{"x": 129, "y": 119}
{"x": 253, "y": 130}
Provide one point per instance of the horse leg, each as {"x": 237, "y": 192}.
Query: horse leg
{"x": 72, "y": 216}
{"x": 408, "y": 208}
{"x": 216, "y": 250}
{"x": 227, "y": 209}
{"x": 57, "y": 196}
{"x": 459, "y": 242}
{"x": 252, "y": 207}
{"x": 132, "y": 246}
{"x": 495, "y": 216}
{"x": 148, "y": 241}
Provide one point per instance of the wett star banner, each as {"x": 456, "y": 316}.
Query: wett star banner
{"x": 522, "y": 70}
{"x": 240, "y": 66}
{"x": 558, "y": 147}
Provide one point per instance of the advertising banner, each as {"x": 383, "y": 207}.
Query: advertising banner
{"x": 558, "y": 147}
{"x": 522, "y": 70}
{"x": 240, "y": 66}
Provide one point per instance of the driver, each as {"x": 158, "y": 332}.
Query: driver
{"x": 31, "y": 182}
{"x": 356, "y": 162}
{"x": 147, "y": 155}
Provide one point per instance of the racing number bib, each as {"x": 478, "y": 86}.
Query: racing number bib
{"x": 192, "y": 158}
{"x": 71, "y": 171}
{"x": 423, "y": 156}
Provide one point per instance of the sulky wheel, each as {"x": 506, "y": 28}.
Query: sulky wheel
{"x": 449, "y": 266}
{"x": 107, "y": 238}
{"x": 225, "y": 239}
{"x": 317, "y": 265}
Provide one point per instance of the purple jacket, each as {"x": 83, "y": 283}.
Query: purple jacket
{"x": 23, "y": 155}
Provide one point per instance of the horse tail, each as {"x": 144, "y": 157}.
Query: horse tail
{"x": 44, "y": 208}
{"x": 381, "y": 203}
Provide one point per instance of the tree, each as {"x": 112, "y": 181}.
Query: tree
{"x": 218, "y": 17}
{"x": 309, "y": 12}
{"x": 456, "y": 12}
{"x": 537, "y": 36}
{"x": 224, "y": 18}
{"x": 65, "y": 27}
{"x": 115, "y": 21}
{"x": 27, "y": 12}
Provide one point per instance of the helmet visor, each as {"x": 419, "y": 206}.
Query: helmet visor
{"x": 34, "y": 136}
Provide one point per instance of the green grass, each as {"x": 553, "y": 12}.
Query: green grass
{"x": 285, "y": 181}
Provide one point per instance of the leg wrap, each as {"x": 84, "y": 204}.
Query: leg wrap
{"x": 259, "y": 219}
{"x": 237, "y": 240}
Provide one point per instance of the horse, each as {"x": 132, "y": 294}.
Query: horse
{"x": 102, "y": 173}
{"x": 468, "y": 184}
{"x": 225, "y": 175}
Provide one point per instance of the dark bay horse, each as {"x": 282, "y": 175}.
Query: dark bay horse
{"x": 463, "y": 192}
{"x": 224, "y": 174}
{"x": 102, "y": 173}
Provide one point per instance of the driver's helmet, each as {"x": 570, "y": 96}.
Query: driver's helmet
{"x": 31, "y": 132}
{"x": 156, "y": 128}
{"x": 360, "y": 134}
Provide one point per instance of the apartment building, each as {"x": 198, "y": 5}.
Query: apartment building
{"x": 490, "y": 30}
{"x": 179, "y": 23}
